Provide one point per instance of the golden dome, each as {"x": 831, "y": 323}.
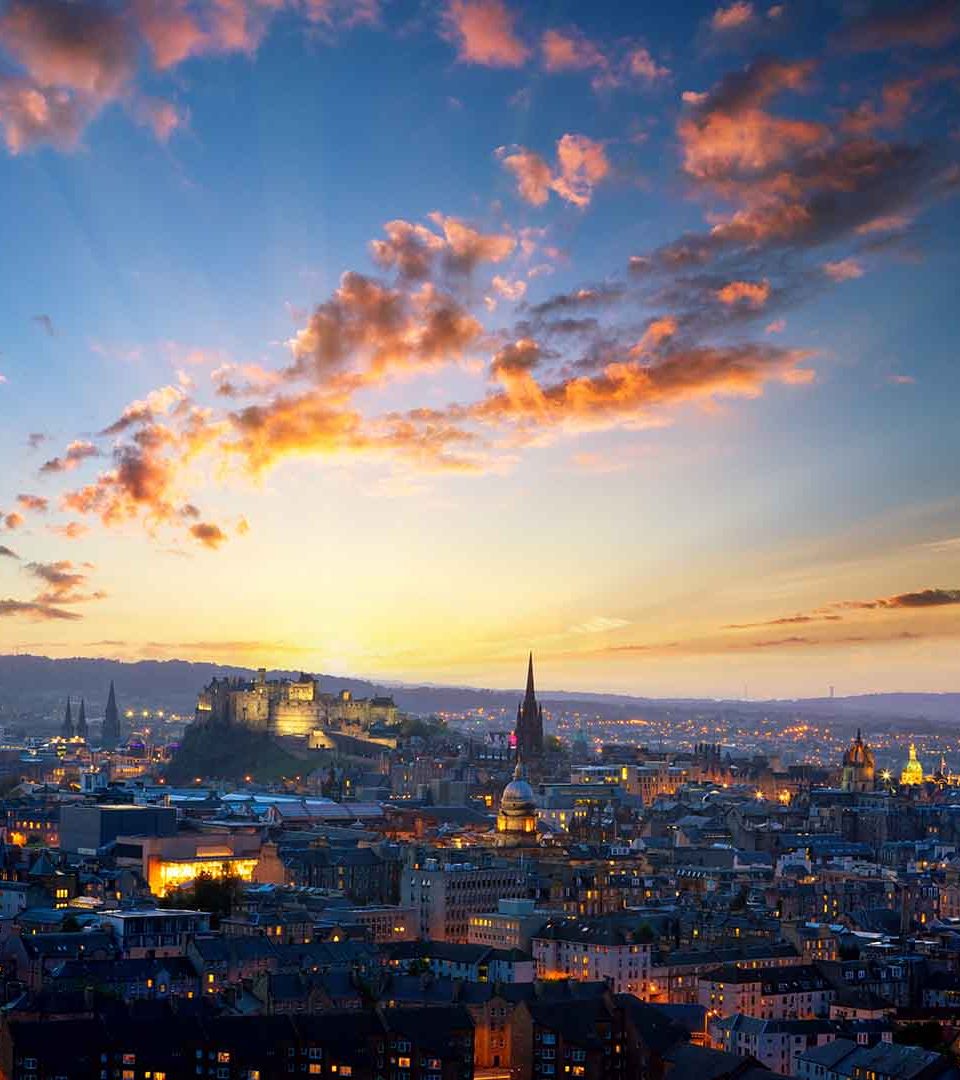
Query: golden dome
{"x": 912, "y": 773}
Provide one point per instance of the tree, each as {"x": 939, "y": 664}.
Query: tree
{"x": 218, "y": 895}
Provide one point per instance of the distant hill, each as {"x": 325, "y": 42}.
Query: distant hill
{"x": 31, "y": 685}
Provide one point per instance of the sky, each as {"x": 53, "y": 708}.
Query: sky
{"x": 395, "y": 339}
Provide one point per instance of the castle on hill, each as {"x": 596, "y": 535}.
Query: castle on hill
{"x": 289, "y": 706}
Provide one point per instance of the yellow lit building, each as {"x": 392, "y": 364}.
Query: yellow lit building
{"x": 912, "y": 773}
{"x": 168, "y": 862}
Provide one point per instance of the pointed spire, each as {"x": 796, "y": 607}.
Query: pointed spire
{"x": 82, "y": 720}
{"x": 110, "y": 734}
{"x": 67, "y": 730}
{"x": 530, "y": 720}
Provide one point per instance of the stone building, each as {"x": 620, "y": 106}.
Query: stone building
{"x": 288, "y": 706}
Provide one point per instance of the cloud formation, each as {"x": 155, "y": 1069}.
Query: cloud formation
{"x": 37, "y": 612}
{"x": 484, "y": 33}
{"x": 62, "y": 582}
{"x": 76, "y": 453}
{"x": 568, "y": 49}
{"x": 71, "y": 59}
{"x": 581, "y": 164}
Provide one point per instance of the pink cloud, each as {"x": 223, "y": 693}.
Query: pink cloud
{"x": 163, "y": 118}
{"x": 843, "y": 269}
{"x": 483, "y": 32}
{"x": 733, "y": 16}
{"x": 582, "y": 163}
{"x": 569, "y": 50}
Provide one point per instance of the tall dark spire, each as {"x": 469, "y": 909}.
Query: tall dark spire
{"x": 67, "y": 730}
{"x": 529, "y": 722}
{"x": 82, "y": 720}
{"x": 111, "y": 721}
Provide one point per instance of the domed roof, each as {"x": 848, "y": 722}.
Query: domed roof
{"x": 518, "y": 796}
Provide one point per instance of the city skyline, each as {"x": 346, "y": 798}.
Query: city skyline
{"x": 398, "y": 339}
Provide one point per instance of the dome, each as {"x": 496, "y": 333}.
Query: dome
{"x": 912, "y": 773}
{"x": 517, "y": 818}
{"x": 518, "y": 796}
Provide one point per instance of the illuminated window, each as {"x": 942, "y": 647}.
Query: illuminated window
{"x": 224, "y": 1057}
{"x": 403, "y": 1062}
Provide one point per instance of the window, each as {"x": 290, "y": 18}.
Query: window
{"x": 346, "y": 1070}
{"x": 403, "y": 1063}
{"x": 223, "y": 1057}
{"x": 315, "y": 1068}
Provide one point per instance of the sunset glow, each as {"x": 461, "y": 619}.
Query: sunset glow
{"x": 398, "y": 339}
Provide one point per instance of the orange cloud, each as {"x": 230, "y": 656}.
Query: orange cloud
{"x": 656, "y": 333}
{"x": 34, "y": 504}
{"x": 374, "y": 330}
{"x": 729, "y": 133}
{"x": 13, "y": 520}
{"x": 414, "y": 251}
{"x": 632, "y": 393}
{"x": 72, "y": 530}
{"x": 208, "y": 534}
{"x": 77, "y": 452}
{"x": 483, "y": 33}
{"x": 752, "y": 293}
{"x": 311, "y": 424}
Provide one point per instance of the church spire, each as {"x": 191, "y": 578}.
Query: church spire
{"x": 529, "y": 722}
{"x": 67, "y": 730}
{"x": 82, "y": 720}
{"x": 110, "y": 734}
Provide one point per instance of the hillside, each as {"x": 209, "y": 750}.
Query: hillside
{"x": 39, "y": 685}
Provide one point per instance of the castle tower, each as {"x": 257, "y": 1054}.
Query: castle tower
{"x": 66, "y": 729}
{"x": 529, "y": 722}
{"x": 82, "y": 720}
{"x": 110, "y": 735}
